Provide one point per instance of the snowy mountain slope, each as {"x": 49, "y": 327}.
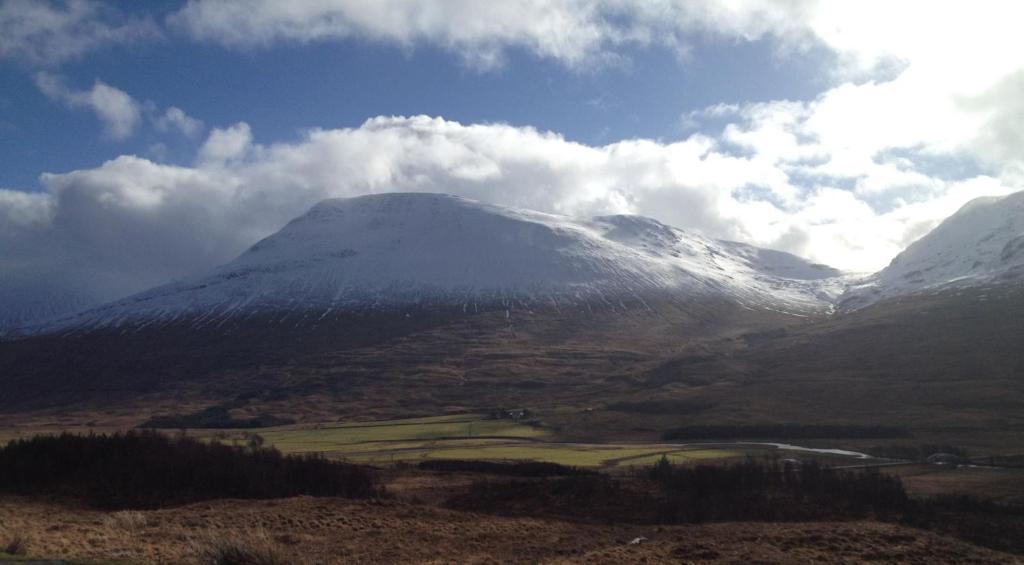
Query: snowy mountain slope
{"x": 981, "y": 243}
{"x": 399, "y": 251}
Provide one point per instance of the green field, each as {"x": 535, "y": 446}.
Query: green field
{"x": 328, "y": 438}
{"x": 466, "y": 436}
{"x": 579, "y": 455}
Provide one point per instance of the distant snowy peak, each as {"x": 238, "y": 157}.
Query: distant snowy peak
{"x": 392, "y": 251}
{"x": 981, "y": 243}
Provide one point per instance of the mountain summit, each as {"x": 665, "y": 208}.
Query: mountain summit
{"x": 981, "y": 243}
{"x": 410, "y": 251}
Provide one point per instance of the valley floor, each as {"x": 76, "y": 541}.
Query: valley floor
{"x": 416, "y": 523}
{"x": 322, "y": 530}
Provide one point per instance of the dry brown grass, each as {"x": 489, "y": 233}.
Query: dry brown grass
{"x": 317, "y": 530}
{"x": 129, "y": 521}
{"x": 1001, "y": 485}
{"x": 246, "y": 547}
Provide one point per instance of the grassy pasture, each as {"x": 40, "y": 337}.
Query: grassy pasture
{"x": 468, "y": 436}
{"x": 579, "y": 455}
{"x": 463, "y": 437}
{"x": 328, "y": 438}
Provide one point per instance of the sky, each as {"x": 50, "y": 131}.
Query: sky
{"x": 142, "y": 142}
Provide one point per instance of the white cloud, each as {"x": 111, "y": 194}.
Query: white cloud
{"x": 120, "y": 114}
{"x": 118, "y": 111}
{"x": 957, "y": 92}
{"x": 575, "y": 32}
{"x": 937, "y": 77}
{"x": 933, "y": 80}
{"x": 44, "y": 32}
{"x": 927, "y": 99}
{"x": 176, "y": 118}
{"x": 226, "y": 144}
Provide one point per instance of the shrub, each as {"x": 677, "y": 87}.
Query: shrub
{"x": 14, "y": 545}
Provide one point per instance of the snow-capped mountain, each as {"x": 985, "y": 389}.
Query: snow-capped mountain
{"x": 404, "y": 251}
{"x": 981, "y": 243}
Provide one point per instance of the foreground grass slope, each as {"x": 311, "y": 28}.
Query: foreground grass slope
{"x": 319, "y": 530}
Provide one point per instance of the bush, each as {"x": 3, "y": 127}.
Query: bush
{"x": 14, "y": 545}
{"x": 149, "y": 470}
